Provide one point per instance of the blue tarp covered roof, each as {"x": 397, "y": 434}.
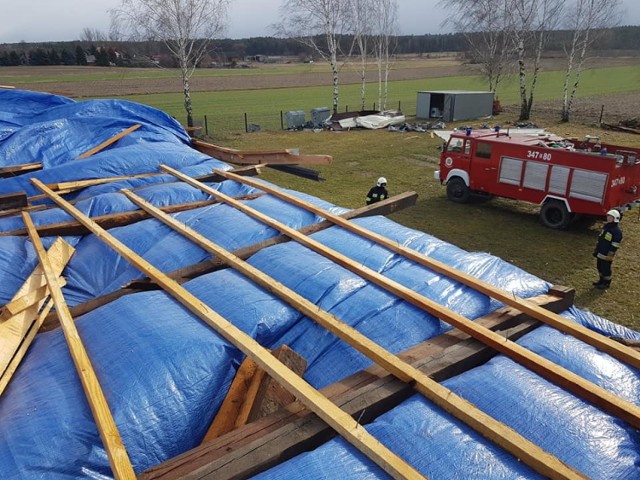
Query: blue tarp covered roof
{"x": 165, "y": 373}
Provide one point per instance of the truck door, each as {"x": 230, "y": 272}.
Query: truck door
{"x": 484, "y": 168}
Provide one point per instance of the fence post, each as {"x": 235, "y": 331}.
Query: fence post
{"x": 281, "y": 121}
{"x": 346, "y": 108}
{"x": 246, "y": 123}
{"x": 399, "y": 105}
{"x": 206, "y": 125}
{"x": 374, "y": 106}
{"x": 601, "y": 113}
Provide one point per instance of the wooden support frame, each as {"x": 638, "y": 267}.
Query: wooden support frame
{"x": 13, "y": 170}
{"x": 562, "y": 377}
{"x": 118, "y": 457}
{"x": 267, "y": 442}
{"x": 349, "y": 429}
{"x": 484, "y": 424}
{"x": 605, "y": 344}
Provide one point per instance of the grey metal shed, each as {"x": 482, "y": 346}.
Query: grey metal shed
{"x": 454, "y": 105}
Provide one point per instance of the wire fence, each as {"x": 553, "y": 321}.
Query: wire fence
{"x": 248, "y": 122}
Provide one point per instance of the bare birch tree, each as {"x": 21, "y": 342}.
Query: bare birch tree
{"x": 587, "y": 20}
{"x": 186, "y": 27}
{"x": 360, "y": 14}
{"x": 532, "y": 20}
{"x": 385, "y": 30}
{"x": 486, "y": 25}
{"x": 319, "y": 24}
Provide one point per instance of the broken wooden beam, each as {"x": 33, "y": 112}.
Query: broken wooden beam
{"x": 18, "y": 330}
{"x": 267, "y": 442}
{"x": 239, "y": 157}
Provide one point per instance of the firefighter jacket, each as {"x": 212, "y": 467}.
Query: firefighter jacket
{"x": 376, "y": 194}
{"x": 608, "y": 241}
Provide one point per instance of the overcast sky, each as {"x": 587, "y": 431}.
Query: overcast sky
{"x": 62, "y": 20}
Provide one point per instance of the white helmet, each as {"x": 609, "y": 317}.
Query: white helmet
{"x": 382, "y": 181}
{"x": 615, "y": 214}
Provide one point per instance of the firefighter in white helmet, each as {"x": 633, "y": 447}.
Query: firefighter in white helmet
{"x": 379, "y": 192}
{"x": 608, "y": 243}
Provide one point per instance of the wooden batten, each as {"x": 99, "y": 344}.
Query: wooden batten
{"x": 13, "y": 170}
{"x": 110, "y": 141}
{"x": 607, "y": 345}
{"x": 564, "y": 378}
{"x": 351, "y": 431}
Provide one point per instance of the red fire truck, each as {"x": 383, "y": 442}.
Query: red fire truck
{"x": 564, "y": 176}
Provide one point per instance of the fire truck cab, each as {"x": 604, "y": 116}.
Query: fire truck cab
{"x": 564, "y": 176}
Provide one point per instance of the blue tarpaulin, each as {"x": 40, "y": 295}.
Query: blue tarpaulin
{"x": 165, "y": 373}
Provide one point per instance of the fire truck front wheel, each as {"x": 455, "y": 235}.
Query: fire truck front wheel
{"x": 554, "y": 214}
{"x": 457, "y": 190}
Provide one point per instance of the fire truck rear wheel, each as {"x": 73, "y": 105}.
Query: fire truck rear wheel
{"x": 457, "y": 190}
{"x": 554, "y": 214}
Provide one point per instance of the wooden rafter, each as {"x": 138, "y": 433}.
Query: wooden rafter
{"x": 484, "y": 424}
{"x": 334, "y": 416}
{"x": 118, "y": 457}
{"x": 603, "y": 399}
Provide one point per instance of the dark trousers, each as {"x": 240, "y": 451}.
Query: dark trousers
{"x": 604, "y": 269}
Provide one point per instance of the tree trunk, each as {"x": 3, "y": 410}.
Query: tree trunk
{"x": 187, "y": 93}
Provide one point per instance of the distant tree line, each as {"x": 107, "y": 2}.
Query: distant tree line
{"x": 229, "y": 51}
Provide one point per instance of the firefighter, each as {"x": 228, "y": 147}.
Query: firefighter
{"x": 608, "y": 243}
{"x": 379, "y": 192}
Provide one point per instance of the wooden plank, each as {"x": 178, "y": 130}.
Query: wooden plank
{"x": 17, "y": 305}
{"x": 13, "y": 170}
{"x": 14, "y": 331}
{"x": 225, "y": 419}
{"x": 118, "y": 458}
{"x": 21, "y": 351}
{"x": 114, "y": 220}
{"x": 601, "y": 342}
{"x": 110, "y": 141}
{"x": 10, "y": 201}
{"x": 562, "y": 377}
{"x": 267, "y": 442}
{"x": 341, "y": 422}
{"x": 78, "y": 184}
{"x": 495, "y": 431}
{"x": 286, "y": 157}
{"x": 385, "y": 207}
